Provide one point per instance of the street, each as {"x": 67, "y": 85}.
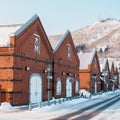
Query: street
{"x": 92, "y": 110}
{"x": 104, "y": 106}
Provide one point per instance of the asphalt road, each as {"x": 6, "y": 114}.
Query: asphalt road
{"x": 91, "y": 111}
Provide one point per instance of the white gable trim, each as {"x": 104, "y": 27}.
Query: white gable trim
{"x": 92, "y": 57}
{"x": 26, "y": 25}
{"x": 105, "y": 62}
{"x": 111, "y": 64}
{"x": 61, "y": 40}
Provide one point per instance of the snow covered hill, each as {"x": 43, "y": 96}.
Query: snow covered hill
{"x": 103, "y": 35}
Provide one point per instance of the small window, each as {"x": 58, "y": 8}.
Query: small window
{"x": 76, "y": 86}
{"x": 69, "y": 52}
{"x": 58, "y": 87}
{"x": 37, "y": 43}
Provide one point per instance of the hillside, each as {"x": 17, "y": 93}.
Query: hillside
{"x": 103, "y": 35}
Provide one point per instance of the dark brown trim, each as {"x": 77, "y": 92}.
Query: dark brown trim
{"x": 13, "y": 92}
{"x": 13, "y": 68}
{"x": 11, "y": 80}
{"x": 6, "y": 55}
{"x": 66, "y": 65}
{"x": 30, "y": 58}
{"x": 26, "y": 57}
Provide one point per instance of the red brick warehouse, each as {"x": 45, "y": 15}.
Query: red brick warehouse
{"x": 105, "y": 75}
{"x": 66, "y": 67}
{"x": 89, "y": 72}
{"x": 114, "y": 75}
{"x": 23, "y": 62}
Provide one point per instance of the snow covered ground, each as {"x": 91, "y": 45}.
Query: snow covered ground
{"x": 55, "y": 110}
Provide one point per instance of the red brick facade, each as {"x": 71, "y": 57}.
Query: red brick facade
{"x": 90, "y": 75}
{"x": 66, "y": 65}
{"x": 105, "y": 81}
{"x": 15, "y": 79}
{"x": 24, "y": 64}
{"x": 114, "y": 75}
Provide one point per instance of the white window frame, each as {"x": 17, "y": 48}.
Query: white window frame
{"x": 58, "y": 86}
{"x": 69, "y": 51}
{"x": 37, "y": 44}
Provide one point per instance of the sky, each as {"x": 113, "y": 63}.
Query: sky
{"x": 57, "y": 16}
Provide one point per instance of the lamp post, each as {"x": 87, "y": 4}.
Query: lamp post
{"x": 49, "y": 77}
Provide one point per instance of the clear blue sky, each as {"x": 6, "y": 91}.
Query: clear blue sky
{"x": 58, "y": 15}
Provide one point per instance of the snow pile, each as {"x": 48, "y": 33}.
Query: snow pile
{"x": 59, "y": 109}
{"x": 6, "y": 107}
{"x": 5, "y": 32}
{"x": 85, "y": 93}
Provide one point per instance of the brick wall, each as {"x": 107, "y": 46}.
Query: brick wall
{"x": 63, "y": 64}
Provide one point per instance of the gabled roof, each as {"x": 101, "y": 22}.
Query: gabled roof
{"x": 103, "y": 64}
{"x": 26, "y": 25}
{"x": 61, "y": 40}
{"x": 54, "y": 39}
{"x": 13, "y": 30}
{"x": 86, "y": 59}
{"x": 111, "y": 65}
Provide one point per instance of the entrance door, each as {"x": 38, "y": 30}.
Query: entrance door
{"x": 69, "y": 87}
{"x": 35, "y": 88}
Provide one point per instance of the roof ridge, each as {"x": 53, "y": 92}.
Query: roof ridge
{"x": 11, "y": 25}
{"x": 61, "y": 40}
{"x": 26, "y": 24}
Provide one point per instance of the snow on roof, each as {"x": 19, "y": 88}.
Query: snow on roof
{"x": 85, "y": 59}
{"x": 101, "y": 67}
{"x": 105, "y": 62}
{"x": 5, "y": 31}
{"x": 26, "y": 24}
{"x": 61, "y": 40}
{"x": 102, "y": 64}
{"x": 110, "y": 65}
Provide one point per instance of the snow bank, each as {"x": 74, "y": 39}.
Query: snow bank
{"x": 85, "y": 93}
{"x": 6, "y": 107}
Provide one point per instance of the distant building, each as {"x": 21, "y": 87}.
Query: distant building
{"x": 89, "y": 72}
{"x": 105, "y": 75}
{"x": 114, "y": 75}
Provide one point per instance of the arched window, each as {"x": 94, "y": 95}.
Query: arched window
{"x": 76, "y": 86}
{"x": 58, "y": 86}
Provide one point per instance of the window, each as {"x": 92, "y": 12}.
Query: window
{"x": 58, "y": 87}
{"x": 37, "y": 43}
{"x": 69, "y": 52}
{"x": 76, "y": 86}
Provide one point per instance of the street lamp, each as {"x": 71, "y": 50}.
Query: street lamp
{"x": 49, "y": 77}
